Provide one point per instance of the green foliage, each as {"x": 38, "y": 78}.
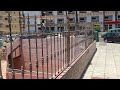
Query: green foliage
{"x": 97, "y": 27}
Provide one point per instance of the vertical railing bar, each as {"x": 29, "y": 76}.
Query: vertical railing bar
{"x": 47, "y": 48}
{"x": 54, "y": 55}
{"x": 22, "y": 66}
{"x": 51, "y": 58}
{"x": 37, "y": 63}
{"x": 1, "y": 76}
{"x": 68, "y": 40}
{"x": 30, "y": 65}
{"x": 58, "y": 50}
{"x": 9, "y": 21}
{"x": 85, "y": 39}
{"x": 63, "y": 48}
{"x": 51, "y": 49}
{"x": 75, "y": 46}
{"x": 47, "y": 56}
{"x": 70, "y": 46}
{"x": 42, "y": 52}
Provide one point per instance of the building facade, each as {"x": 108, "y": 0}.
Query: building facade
{"x": 4, "y": 25}
{"x": 89, "y": 18}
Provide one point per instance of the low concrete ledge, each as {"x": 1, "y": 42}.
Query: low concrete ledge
{"x": 77, "y": 68}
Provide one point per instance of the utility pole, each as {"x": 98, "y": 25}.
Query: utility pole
{"x": 76, "y": 16}
{"x": 103, "y": 21}
{"x": 116, "y": 15}
{"x": 76, "y": 20}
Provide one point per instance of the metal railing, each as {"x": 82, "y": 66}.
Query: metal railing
{"x": 45, "y": 55}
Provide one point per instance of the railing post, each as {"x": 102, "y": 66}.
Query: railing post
{"x": 1, "y": 77}
{"x": 68, "y": 40}
{"x": 85, "y": 38}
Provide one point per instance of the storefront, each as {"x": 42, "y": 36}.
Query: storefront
{"x": 111, "y": 24}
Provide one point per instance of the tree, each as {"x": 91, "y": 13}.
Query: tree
{"x": 97, "y": 28}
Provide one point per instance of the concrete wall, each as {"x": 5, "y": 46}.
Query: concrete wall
{"x": 76, "y": 69}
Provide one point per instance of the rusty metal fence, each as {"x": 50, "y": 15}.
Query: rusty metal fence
{"x": 41, "y": 55}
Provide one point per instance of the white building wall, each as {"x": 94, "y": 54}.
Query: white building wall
{"x": 54, "y": 12}
{"x": 113, "y": 18}
{"x": 88, "y": 19}
{"x": 100, "y": 18}
{"x": 32, "y": 20}
{"x": 32, "y": 13}
{"x": 88, "y": 11}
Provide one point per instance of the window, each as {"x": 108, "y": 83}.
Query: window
{"x": 51, "y": 21}
{"x": 61, "y": 29}
{"x": 72, "y": 28}
{"x": 110, "y": 26}
{"x": 52, "y": 28}
{"x": 71, "y": 12}
{"x": 118, "y": 17}
{"x": 49, "y": 13}
{"x": 72, "y": 20}
{"x": 6, "y": 18}
{"x": 43, "y": 20}
{"x": 60, "y": 12}
{"x": 108, "y": 18}
{"x": 82, "y": 11}
{"x": 95, "y": 19}
{"x": 7, "y": 26}
{"x": 43, "y": 13}
{"x": 60, "y": 20}
{"x": 118, "y": 25}
{"x": 106, "y": 27}
{"x": 82, "y": 19}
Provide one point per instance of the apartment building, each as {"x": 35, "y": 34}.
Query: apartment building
{"x": 4, "y": 26}
{"x": 89, "y": 18}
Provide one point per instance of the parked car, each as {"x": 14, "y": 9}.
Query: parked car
{"x": 111, "y": 30}
{"x": 112, "y": 36}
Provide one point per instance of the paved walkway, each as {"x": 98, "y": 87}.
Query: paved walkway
{"x": 106, "y": 62}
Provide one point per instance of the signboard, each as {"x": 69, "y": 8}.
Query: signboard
{"x": 112, "y": 22}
